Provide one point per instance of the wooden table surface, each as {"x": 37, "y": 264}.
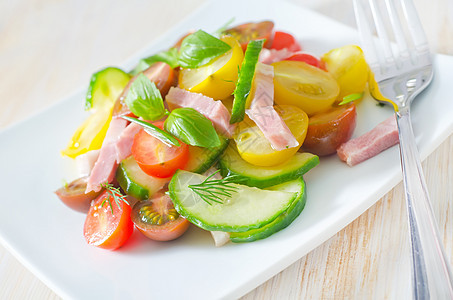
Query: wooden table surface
{"x": 48, "y": 48}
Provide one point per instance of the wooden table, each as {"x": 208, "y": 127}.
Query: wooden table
{"x": 49, "y": 48}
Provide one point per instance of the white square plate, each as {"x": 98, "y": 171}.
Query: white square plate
{"x": 47, "y": 237}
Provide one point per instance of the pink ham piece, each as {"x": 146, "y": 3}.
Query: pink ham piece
{"x": 262, "y": 111}
{"x": 268, "y": 56}
{"x": 85, "y": 162}
{"x": 105, "y": 167}
{"x": 215, "y": 111}
{"x": 381, "y": 137}
{"x": 126, "y": 139}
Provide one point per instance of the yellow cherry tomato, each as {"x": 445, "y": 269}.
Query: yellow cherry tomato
{"x": 253, "y": 146}
{"x": 218, "y": 78}
{"x": 302, "y": 85}
{"x": 90, "y": 135}
{"x": 348, "y": 66}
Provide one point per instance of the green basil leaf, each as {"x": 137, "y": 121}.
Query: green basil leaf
{"x": 144, "y": 99}
{"x": 245, "y": 79}
{"x": 350, "y": 98}
{"x": 200, "y": 48}
{"x": 192, "y": 128}
{"x": 155, "y": 131}
{"x": 169, "y": 57}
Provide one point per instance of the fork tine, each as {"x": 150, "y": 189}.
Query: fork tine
{"x": 384, "y": 40}
{"x": 415, "y": 27}
{"x": 397, "y": 29}
{"x": 366, "y": 36}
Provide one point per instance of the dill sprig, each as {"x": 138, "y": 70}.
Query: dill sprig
{"x": 212, "y": 190}
{"x": 114, "y": 193}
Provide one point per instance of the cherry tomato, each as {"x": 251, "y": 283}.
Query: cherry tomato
{"x": 284, "y": 40}
{"x": 255, "y": 148}
{"x": 348, "y": 66}
{"x": 157, "y": 218}
{"x": 105, "y": 229}
{"x": 73, "y": 195}
{"x": 156, "y": 158}
{"x": 217, "y": 78}
{"x": 247, "y": 32}
{"x": 328, "y": 130}
{"x": 299, "y": 84}
{"x": 160, "y": 73}
{"x": 306, "y": 58}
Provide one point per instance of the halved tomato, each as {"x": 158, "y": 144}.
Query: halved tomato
{"x": 256, "y": 149}
{"x": 284, "y": 40}
{"x": 348, "y": 66}
{"x": 299, "y": 84}
{"x": 105, "y": 229}
{"x": 247, "y": 32}
{"x": 328, "y": 130}
{"x": 156, "y": 158}
{"x": 217, "y": 78}
{"x": 157, "y": 218}
{"x": 73, "y": 195}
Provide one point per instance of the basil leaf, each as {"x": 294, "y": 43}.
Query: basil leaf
{"x": 192, "y": 128}
{"x": 350, "y": 98}
{"x": 145, "y": 100}
{"x": 155, "y": 131}
{"x": 245, "y": 79}
{"x": 200, "y": 48}
{"x": 169, "y": 57}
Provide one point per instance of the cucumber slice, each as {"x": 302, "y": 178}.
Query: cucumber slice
{"x": 231, "y": 163}
{"x": 140, "y": 185}
{"x": 201, "y": 159}
{"x": 135, "y": 182}
{"x": 105, "y": 87}
{"x": 283, "y": 220}
{"x": 246, "y": 209}
{"x": 245, "y": 79}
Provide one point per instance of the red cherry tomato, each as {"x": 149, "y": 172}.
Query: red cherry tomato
{"x": 328, "y": 130}
{"x": 285, "y": 40}
{"x": 157, "y": 218}
{"x": 156, "y": 158}
{"x": 247, "y": 32}
{"x": 105, "y": 229}
{"x": 306, "y": 58}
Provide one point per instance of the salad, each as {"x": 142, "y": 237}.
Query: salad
{"x": 215, "y": 132}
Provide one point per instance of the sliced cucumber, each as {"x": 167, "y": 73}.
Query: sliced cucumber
{"x": 140, "y": 185}
{"x": 283, "y": 220}
{"x": 246, "y": 209}
{"x": 105, "y": 87}
{"x": 231, "y": 163}
{"x": 135, "y": 182}
{"x": 201, "y": 159}
{"x": 244, "y": 84}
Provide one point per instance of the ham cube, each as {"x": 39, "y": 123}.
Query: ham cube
{"x": 213, "y": 110}
{"x": 380, "y": 138}
{"x": 262, "y": 111}
{"x": 105, "y": 167}
{"x": 124, "y": 143}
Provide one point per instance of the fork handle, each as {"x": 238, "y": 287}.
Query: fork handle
{"x": 432, "y": 276}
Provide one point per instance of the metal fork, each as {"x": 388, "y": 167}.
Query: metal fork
{"x": 401, "y": 72}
